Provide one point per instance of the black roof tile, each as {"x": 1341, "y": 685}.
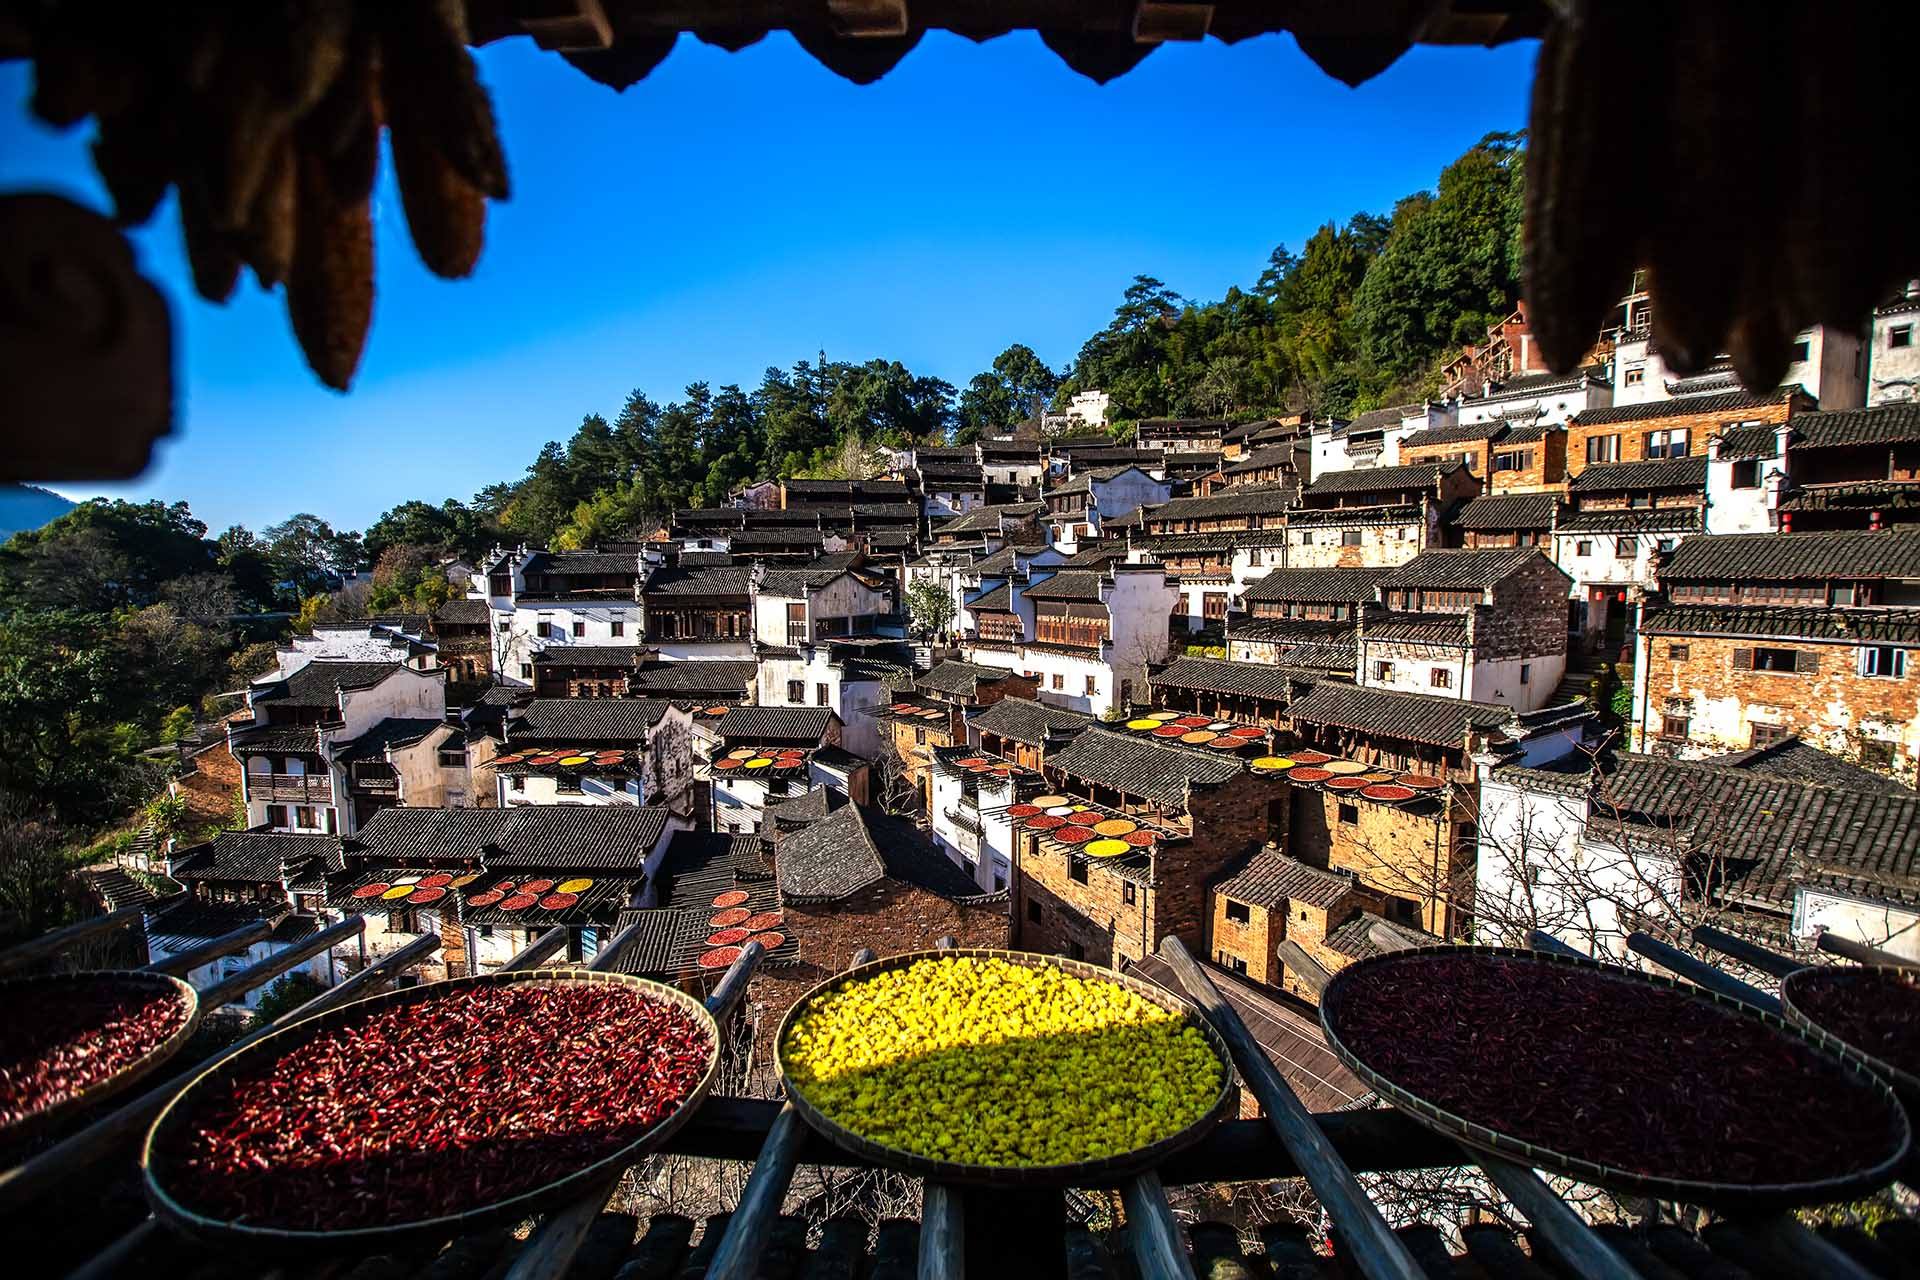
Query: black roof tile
{"x": 1689, "y": 519}
{"x": 589, "y": 837}
{"x": 257, "y": 857}
{"x": 1461, "y": 570}
{"x": 1409, "y": 717}
{"x": 318, "y": 683}
{"x": 1775, "y": 557}
{"x": 1245, "y": 679}
{"x": 1799, "y": 761}
{"x": 1268, "y": 878}
{"x": 622, "y": 720}
{"x": 1318, "y": 586}
{"x": 1509, "y": 511}
{"x": 1067, "y": 584}
{"x": 587, "y": 655}
{"x": 1140, "y": 767}
{"x": 1843, "y": 626}
{"x": 670, "y": 581}
{"x": 1266, "y": 499}
{"x": 775, "y": 724}
{"x": 1843, "y": 428}
{"x": 1419, "y": 475}
{"x": 703, "y": 675}
{"x": 1028, "y": 722}
{"x": 1459, "y": 434}
{"x": 1725, "y": 402}
{"x": 1649, "y": 473}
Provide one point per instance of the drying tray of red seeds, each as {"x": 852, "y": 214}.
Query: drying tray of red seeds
{"x": 1873, "y": 1010}
{"x": 426, "y": 1112}
{"x": 73, "y": 1040}
{"x": 1629, "y": 1081}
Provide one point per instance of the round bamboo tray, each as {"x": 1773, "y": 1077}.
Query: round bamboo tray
{"x": 1905, "y": 1083}
{"x": 1872, "y": 1174}
{"x": 155, "y": 1154}
{"x": 125, "y": 1078}
{"x": 1083, "y": 1173}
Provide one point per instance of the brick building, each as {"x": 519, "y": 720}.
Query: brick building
{"x": 1848, "y": 469}
{"x": 1202, "y": 809}
{"x": 1508, "y": 520}
{"x": 1622, "y": 516}
{"x": 1483, "y": 625}
{"x": 1673, "y": 428}
{"x": 1305, "y": 618}
{"x": 931, "y": 713}
{"x": 1759, "y": 637}
{"x": 1022, "y": 731}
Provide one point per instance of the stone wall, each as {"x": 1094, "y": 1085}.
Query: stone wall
{"x": 1398, "y": 853}
{"x": 1633, "y": 435}
{"x": 889, "y": 918}
{"x": 1055, "y": 913}
{"x": 1833, "y": 707}
{"x": 1528, "y": 618}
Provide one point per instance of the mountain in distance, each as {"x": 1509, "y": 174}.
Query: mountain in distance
{"x": 28, "y": 506}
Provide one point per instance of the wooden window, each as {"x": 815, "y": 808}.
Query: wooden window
{"x": 1625, "y": 547}
{"x": 1746, "y": 474}
{"x": 1213, "y": 604}
{"x": 455, "y": 759}
{"x": 1675, "y": 726}
{"x": 1093, "y": 686}
{"x": 1128, "y": 893}
{"x": 579, "y": 628}
{"x": 919, "y": 737}
{"x": 820, "y": 695}
{"x": 1233, "y": 964}
{"x": 1583, "y": 548}
{"x": 1635, "y": 376}
{"x": 1679, "y": 652}
{"x": 1875, "y": 754}
{"x": 1383, "y": 671}
{"x": 1059, "y": 681}
{"x": 617, "y": 628}
{"x": 1884, "y": 661}
{"x": 1900, "y": 335}
{"x": 1670, "y": 443}
{"x": 1350, "y": 537}
{"x": 1765, "y": 735}
{"x": 797, "y": 628}
{"x": 517, "y": 782}
{"x": 1238, "y": 912}
{"x": 1790, "y": 661}
{"x": 1350, "y": 814}
{"x": 1440, "y": 678}
{"x": 526, "y": 671}
{"x": 1603, "y": 449}
{"x": 797, "y": 692}
{"x": 1033, "y": 911}
{"x": 1077, "y": 871}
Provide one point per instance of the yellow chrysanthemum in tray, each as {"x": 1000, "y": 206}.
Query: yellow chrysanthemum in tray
{"x": 981, "y": 1061}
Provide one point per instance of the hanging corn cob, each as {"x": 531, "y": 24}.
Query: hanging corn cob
{"x": 266, "y": 116}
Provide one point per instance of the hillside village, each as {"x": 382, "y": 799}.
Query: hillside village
{"x": 1610, "y": 651}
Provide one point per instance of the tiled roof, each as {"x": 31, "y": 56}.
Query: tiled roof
{"x": 1027, "y": 722}
{"x": 730, "y": 581}
{"x": 1768, "y": 832}
{"x": 318, "y": 684}
{"x": 1292, "y": 1041}
{"x": 622, "y": 720}
{"x": 1688, "y": 519}
{"x": 797, "y": 583}
{"x": 1280, "y": 455}
{"x": 1775, "y": 557}
{"x": 1531, "y": 432}
{"x": 254, "y": 856}
{"x": 1885, "y": 495}
{"x": 854, "y": 848}
{"x": 1458, "y": 570}
{"x": 651, "y": 953}
{"x": 1725, "y": 402}
{"x": 1418, "y": 628}
{"x": 1000, "y": 598}
{"x": 594, "y": 562}
{"x": 189, "y": 922}
{"x": 1245, "y": 679}
{"x": 1226, "y": 540}
{"x": 611, "y": 837}
{"x": 1271, "y": 879}
{"x": 1509, "y": 511}
{"x": 1113, "y": 455}
{"x": 588, "y": 655}
{"x": 391, "y": 732}
{"x": 1650, "y": 473}
{"x": 959, "y": 678}
{"x": 703, "y": 675}
{"x": 1082, "y": 481}
{"x": 1845, "y": 626}
{"x": 1419, "y": 475}
{"x": 465, "y": 612}
{"x": 703, "y": 559}
{"x": 1160, "y": 774}
{"x": 303, "y": 738}
{"x": 1265, "y": 499}
{"x": 1379, "y": 419}
{"x": 1096, "y": 555}
{"x": 1534, "y": 384}
{"x": 988, "y": 518}
{"x": 1383, "y": 514}
{"x": 1748, "y": 442}
{"x": 1409, "y": 717}
{"x": 1840, "y": 428}
{"x": 856, "y": 488}
{"x": 1354, "y": 938}
{"x": 1067, "y": 584}
{"x": 775, "y": 724}
{"x": 1799, "y": 761}
{"x": 1318, "y": 586}
{"x": 1465, "y": 434}
{"x": 775, "y": 538}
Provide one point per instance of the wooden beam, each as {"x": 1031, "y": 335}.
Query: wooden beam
{"x": 1158, "y": 20}
{"x": 565, "y": 25}
{"x": 862, "y": 19}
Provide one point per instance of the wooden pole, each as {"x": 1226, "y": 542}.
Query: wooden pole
{"x": 1859, "y": 952}
{"x": 25, "y": 953}
{"x": 225, "y": 945}
{"x": 1153, "y": 1231}
{"x": 1699, "y": 972}
{"x": 1540, "y": 940}
{"x": 1768, "y": 962}
{"x": 738, "y": 1257}
{"x": 531, "y": 955}
{"x": 550, "y": 1251}
{"x": 256, "y": 975}
{"x": 1376, "y": 1250}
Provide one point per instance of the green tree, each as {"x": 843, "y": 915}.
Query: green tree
{"x": 1007, "y": 393}
{"x": 283, "y": 995}
{"x": 929, "y": 607}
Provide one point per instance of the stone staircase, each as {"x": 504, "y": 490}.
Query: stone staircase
{"x": 1576, "y": 684}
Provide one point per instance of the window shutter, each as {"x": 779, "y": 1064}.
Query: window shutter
{"x": 1743, "y": 659}
{"x": 1806, "y": 662}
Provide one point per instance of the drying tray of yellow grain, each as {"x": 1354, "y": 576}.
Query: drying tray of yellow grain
{"x": 1081, "y": 1105}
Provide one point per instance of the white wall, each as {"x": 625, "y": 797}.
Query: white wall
{"x": 1876, "y": 924}
{"x": 1126, "y": 493}
{"x": 1381, "y": 546}
{"x": 207, "y": 975}
{"x": 1894, "y": 372}
{"x": 1554, "y": 409}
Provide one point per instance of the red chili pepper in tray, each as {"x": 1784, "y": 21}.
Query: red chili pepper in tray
{"x": 61, "y": 1039}
{"x": 437, "y": 1107}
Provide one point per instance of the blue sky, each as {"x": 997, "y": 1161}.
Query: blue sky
{"x": 738, "y": 210}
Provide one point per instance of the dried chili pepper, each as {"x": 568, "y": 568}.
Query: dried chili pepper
{"x": 59, "y": 1039}
{"x": 437, "y": 1107}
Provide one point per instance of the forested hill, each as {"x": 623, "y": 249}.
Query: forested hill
{"x": 1354, "y": 319}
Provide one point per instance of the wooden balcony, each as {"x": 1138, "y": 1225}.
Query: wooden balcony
{"x": 290, "y": 788}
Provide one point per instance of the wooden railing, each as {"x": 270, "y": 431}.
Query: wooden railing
{"x": 296, "y": 788}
